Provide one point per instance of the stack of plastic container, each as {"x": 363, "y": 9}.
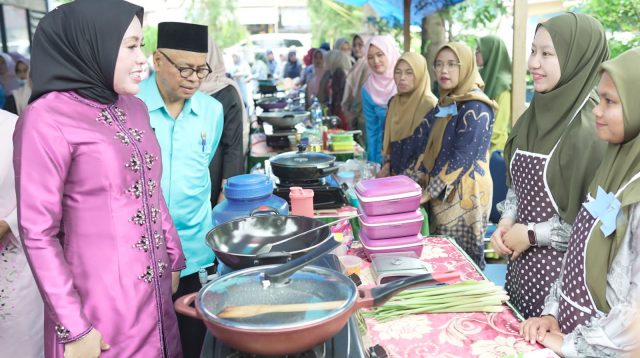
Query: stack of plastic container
{"x": 391, "y": 219}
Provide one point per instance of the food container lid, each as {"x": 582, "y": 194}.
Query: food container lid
{"x": 248, "y": 186}
{"x": 296, "y": 192}
{"x": 387, "y": 188}
{"x": 393, "y": 243}
{"x": 391, "y": 266}
{"x": 391, "y": 219}
{"x": 309, "y": 285}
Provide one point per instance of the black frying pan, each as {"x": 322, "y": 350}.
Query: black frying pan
{"x": 236, "y": 242}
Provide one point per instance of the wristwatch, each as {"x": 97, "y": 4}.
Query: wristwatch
{"x": 532, "y": 234}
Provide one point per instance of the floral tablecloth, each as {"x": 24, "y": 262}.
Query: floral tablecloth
{"x": 446, "y": 335}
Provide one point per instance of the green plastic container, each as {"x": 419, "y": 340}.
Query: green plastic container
{"x": 341, "y": 137}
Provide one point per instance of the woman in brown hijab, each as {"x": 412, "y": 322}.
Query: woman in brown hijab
{"x": 331, "y": 89}
{"x": 458, "y": 186}
{"x": 229, "y": 158}
{"x": 406, "y": 128}
{"x": 357, "y": 76}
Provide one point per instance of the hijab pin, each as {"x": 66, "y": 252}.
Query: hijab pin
{"x": 446, "y": 111}
{"x": 606, "y": 208}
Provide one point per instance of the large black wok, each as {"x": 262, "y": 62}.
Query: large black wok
{"x": 284, "y": 119}
{"x": 236, "y": 242}
{"x": 272, "y": 103}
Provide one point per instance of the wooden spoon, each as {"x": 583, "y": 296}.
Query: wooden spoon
{"x": 256, "y": 310}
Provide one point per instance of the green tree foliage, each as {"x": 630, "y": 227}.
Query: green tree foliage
{"x": 616, "y": 16}
{"x": 219, "y": 15}
{"x": 330, "y": 20}
{"x": 477, "y": 13}
{"x": 471, "y": 15}
{"x": 150, "y": 34}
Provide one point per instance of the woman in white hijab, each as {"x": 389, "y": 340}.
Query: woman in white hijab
{"x": 21, "y": 308}
{"x": 8, "y": 78}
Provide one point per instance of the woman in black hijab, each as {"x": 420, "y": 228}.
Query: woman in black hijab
{"x": 92, "y": 218}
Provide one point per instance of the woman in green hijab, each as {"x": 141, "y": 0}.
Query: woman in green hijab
{"x": 551, "y": 156}
{"x": 495, "y": 68}
{"x": 592, "y": 306}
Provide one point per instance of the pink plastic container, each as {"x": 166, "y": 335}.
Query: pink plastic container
{"x": 389, "y": 195}
{"x": 394, "y": 245}
{"x": 393, "y": 225}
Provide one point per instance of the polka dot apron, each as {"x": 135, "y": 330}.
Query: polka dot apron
{"x": 576, "y": 304}
{"x": 530, "y": 276}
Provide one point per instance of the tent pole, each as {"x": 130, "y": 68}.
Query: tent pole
{"x": 519, "y": 74}
{"x": 407, "y": 23}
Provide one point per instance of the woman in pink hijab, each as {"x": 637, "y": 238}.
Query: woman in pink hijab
{"x": 381, "y": 53}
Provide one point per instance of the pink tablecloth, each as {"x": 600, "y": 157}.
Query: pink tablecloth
{"x": 447, "y": 335}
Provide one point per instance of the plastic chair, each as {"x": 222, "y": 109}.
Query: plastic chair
{"x": 496, "y": 273}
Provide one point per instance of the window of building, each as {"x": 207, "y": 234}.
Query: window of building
{"x": 16, "y": 27}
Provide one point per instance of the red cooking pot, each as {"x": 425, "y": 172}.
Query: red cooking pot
{"x": 268, "y": 310}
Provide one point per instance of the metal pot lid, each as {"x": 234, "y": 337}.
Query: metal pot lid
{"x": 309, "y": 285}
{"x": 282, "y": 113}
{"x": 272, "y": 100}
{"x": 303, "y": 159}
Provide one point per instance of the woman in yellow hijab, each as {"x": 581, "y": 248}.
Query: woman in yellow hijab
{"x": 458, "y": 185}
{"x": 406, "y": 130}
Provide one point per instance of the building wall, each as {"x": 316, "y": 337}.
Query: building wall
{"x": 19, "y": 21}
{"x": 36, "y": 5}
{"x": 276, "y": 15}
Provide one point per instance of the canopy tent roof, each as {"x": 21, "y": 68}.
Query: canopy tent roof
{"x": 392, "y": 10}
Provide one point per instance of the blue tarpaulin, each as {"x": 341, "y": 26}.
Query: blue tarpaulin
{"x": 392, "y": 10}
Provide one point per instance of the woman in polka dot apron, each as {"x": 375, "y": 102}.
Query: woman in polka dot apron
{"x": 457, "y": 181}
{"x": 551, "y": 156}
{"x": 592, "y": 306}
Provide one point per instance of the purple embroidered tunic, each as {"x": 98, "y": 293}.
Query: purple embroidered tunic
{"x": 94, "y": 224}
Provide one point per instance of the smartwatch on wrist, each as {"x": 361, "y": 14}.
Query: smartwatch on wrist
{"x": 532, "y": 234}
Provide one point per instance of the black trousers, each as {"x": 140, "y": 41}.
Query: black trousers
{"x": 192, "y": 331}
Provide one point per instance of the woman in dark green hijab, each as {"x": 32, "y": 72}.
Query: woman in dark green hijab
{"x": 552, "y": 154}
{"x": 592, "y": 306}
{"x": 495, "y": 68}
